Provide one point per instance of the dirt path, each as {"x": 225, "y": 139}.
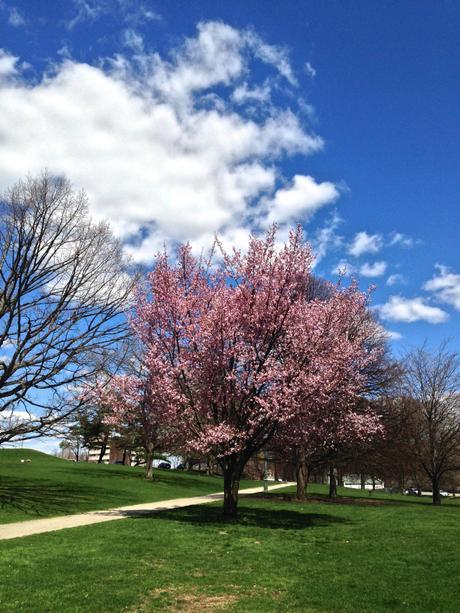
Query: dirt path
{"x": 38, "y": 526}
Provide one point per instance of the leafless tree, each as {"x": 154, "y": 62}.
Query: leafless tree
{"x": 431, "y": 399}
{"x": 63, "y": 289}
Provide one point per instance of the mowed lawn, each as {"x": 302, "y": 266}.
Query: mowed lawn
{"x": 48, "y": 486}
{"x": 356, "y": 554}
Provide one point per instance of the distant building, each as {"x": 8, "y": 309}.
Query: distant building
{"x": 113, "y": 455}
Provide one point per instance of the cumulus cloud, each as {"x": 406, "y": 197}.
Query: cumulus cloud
{"x": 155, "y": 161}
{"x": 376, "y": 269}
{"x": 410, "y": 310}
{"x": 445, "y": 286}
{"x": 300, "y": 200}
{"x": 365, "y": 243}
{"x": 8, "y": 65}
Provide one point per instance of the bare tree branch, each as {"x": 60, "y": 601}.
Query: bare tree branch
{"x": 63, "y": 289}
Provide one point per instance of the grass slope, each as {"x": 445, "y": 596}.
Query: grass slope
{"x": 48, "y": 486}
{"x": 348, "y": 556}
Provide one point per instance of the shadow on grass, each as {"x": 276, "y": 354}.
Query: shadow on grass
{"x": 40, "y": 499}
{"x": 353, "y": 500}
{"x": 283, "y": 519}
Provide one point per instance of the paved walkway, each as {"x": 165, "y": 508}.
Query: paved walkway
{"x": 38, "y": 526}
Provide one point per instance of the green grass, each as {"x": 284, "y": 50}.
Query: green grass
{"x": 48, "y": 486}
{"x": 317, "y": 489}
{"x": 348, "y": 556}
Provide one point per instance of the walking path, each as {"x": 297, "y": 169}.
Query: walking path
{"x": 38, "y": 526}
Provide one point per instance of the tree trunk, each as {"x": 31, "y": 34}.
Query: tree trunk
{"x": 232, "y": 476}
{"x": 102, "y": 452}
{"x": 436, "y": 490}
{"x": 300, "y": 475}
{"x": 149, "y": 461}
{"x": 340, "y": 477}
{"x": 307, "y": 477}
{"x": 363, "y": 481}
{"x": 332, "y": 482}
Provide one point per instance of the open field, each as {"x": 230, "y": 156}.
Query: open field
{"x": 48, "y": 486}
{"x": 356, "y": 554}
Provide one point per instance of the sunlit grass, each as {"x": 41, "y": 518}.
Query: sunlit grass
{"x": 279, "y": 556}
{"x": 48, "y": 486}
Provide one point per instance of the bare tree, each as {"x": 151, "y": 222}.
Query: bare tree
{"x": 63, "y": 290}
{"x": 431, "y": 399}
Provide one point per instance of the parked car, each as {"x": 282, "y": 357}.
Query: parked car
{"x": 443, "y": 493}
{"x": 412, "y": 491}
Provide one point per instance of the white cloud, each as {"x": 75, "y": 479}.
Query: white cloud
{"x": 394, "y": 279}
{"x": 8, "y": 65}
{"x": 365, "y": 243}
{"x": 410, "y": 310}
{"x": 376, "y": 269}
{"x": 44, "y": 444}
{"x": 139, "y": 13}
{"x": 15, "y": 18}
{"x": 397, "y": 238}
{"x": 271, "y": 54}
{"x": 133, "y": 40}
{"x": 154, "y": 162}
{"x": 86, "y": 10}
{"x": 326, "y": 237}
{"x": 310, "y": 70}
{"x": 132, "y": 13}
{"x": 300, "y": 200}
{"x": 343, "y": 267}
{"x": 445, "y": 286}
{"x": 244, "y": 93}
{"x": 393, "y": 335}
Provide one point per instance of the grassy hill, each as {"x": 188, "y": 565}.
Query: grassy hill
{"x": 48, "y": 486}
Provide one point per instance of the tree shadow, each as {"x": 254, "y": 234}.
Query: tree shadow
{"x": 353, "y": 500}
{"x": 281, "y": 519}
{"x": 40, "y": 499}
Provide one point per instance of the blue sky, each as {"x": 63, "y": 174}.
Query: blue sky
{"x": 185, "y": 118}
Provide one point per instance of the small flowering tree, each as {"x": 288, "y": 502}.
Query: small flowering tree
{"x": 228, "y": 345}
{"x": 334, "y": 359}
{"x": 141, "y": 404}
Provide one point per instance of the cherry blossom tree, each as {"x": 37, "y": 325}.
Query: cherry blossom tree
{"x": 139, "y": 403}
{"x": 335, "y": 358}
{"x": 237, "y": 349}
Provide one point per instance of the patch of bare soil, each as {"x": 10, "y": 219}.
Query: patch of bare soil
{"x": 189, "y": 602}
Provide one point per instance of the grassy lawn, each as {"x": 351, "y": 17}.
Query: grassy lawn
{"x": 352, "y": 555}
{"x": 48, "y": 486}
